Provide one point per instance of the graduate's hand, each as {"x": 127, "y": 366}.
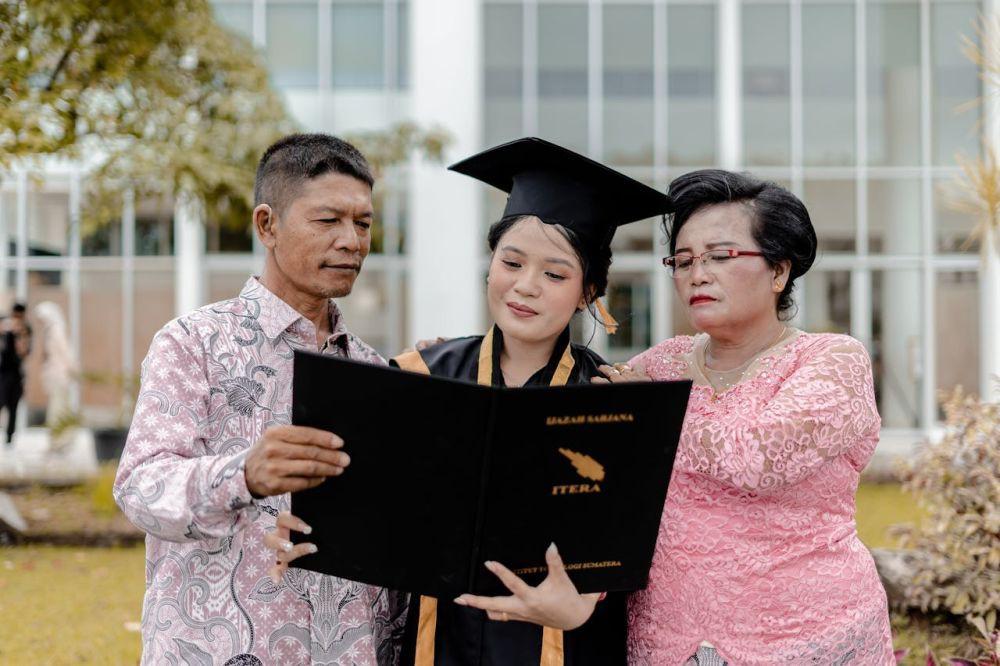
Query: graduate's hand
{"x": 554, "y": 603}
{"x": 288, "y": 458}
{"x": 284, "y": 550}
{"x": 621, "y": 372}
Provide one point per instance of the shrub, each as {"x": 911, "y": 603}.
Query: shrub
{"x": 957, "y": 483}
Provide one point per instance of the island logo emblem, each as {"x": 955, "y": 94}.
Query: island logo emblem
{"x": 586, "y": 467}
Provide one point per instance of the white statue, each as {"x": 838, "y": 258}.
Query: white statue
{"x": 59, "y": 368}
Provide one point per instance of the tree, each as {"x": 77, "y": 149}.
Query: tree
{"x": 165, "y": 101}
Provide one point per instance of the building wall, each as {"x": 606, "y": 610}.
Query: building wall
{"x": 849, "y": 103}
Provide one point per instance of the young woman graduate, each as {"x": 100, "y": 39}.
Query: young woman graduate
{"x": 551, "y": 252}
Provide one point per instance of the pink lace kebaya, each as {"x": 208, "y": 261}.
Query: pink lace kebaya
{"x": 758, "y": 552}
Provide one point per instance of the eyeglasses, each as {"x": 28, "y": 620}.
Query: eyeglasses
{"x": 680, "y": 265}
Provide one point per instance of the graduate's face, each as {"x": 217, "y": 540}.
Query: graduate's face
{"x": 535, "y": 283}
{"x": 731, "y": 294}
{"x": 318, "y": 243}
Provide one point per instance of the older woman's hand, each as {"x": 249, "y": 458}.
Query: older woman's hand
{"x": 621, "y": 372}
{"x": 285, "y": 550}
{"x": 554, "y": 603}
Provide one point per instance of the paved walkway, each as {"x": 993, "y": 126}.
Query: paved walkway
{"x": 32, "y": 460}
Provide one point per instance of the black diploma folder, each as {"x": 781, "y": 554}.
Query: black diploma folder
{"x": 446, "y": 474}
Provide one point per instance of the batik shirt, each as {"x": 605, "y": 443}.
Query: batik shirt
{"x": 212, "y": 383}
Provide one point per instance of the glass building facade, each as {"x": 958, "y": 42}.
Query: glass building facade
{"x": 855, "y": 105}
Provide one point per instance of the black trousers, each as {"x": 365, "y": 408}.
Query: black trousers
{"x": 10, "y": 395}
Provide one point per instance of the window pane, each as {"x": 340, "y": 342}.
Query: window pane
{"x": 956, "y": 322}
{"x": 628, "y": 84}
{"x": 293, "y": 44}
{"x": 368, "y": 311}
{"x": 897, "y": 358}
{"x": 831, "y": 205}
{"x": 562, "y": 75}
{"x": 237, "y": 17}
{"x": 766, "y": 106}
{"x": 894, "y": 216}
{"x": 357, "y": 45}
{"x": 956, "y": 82}
{"x": 48, "y": 222}
{"x": 823, "y": 301}
{"x": 502, "y": 80}
{"x": 953, "y": 227}
{"x": 629, "y": 302}
{"x": 403, "y": 50}
{"x": 101, "y": 303}
{"x": 828, "y": 84}
{"x": 154, "y": 227}
{"x": 893, "y": 84}
{"x": 691, "y": 121}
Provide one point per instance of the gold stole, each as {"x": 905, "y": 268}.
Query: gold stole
{"x": 552, "y": 639}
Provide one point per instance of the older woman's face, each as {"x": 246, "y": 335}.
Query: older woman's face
{"x": 729, "y": 294}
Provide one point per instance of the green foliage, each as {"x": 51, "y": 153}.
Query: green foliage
{"x": 879, "y": 507}
{"x": 64, "y": 424}
{"x": 100, "y": 490}
{"x": 957, "y": 482}
{"x": 168, "y": 100}
{"x": 171, "y": 100}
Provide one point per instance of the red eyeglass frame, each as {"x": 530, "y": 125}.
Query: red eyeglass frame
{"x": 732, "y": 254}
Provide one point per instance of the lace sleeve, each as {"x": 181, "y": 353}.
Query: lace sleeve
{"x": 822, "y": 410}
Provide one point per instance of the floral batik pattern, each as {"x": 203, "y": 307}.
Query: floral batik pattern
{"x": 213, "y": 381}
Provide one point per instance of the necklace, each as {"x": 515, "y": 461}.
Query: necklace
{"x": 723, "y": 380}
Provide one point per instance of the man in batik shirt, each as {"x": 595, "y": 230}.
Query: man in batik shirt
{"x": 211, "y": 457}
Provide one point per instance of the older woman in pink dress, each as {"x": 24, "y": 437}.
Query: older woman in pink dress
{"x": 758, "y": 560}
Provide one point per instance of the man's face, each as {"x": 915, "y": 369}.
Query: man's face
{"x": 324, "y": 234}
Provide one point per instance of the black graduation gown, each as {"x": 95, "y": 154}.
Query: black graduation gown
{"x": 442, "y": 633}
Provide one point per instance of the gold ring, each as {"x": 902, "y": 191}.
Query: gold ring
{"x": 623, "y": 367}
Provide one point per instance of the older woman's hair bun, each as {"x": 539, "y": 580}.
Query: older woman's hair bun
{"x": 781, "y": 224}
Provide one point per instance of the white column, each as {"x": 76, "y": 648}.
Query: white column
{"x": 21, "y": 285}
{"x": 128, "y": 287}
{"x": 989, "y": 293}
{"x": 4, "y": 249}
{"x": 75, "y": 317}
{"x": 189, "y": 253}
{"x": 903, "y": 365}
{"x": 989, "y": 272}
{"x": 729, "y": 86}
{"x": 445, "y": 237}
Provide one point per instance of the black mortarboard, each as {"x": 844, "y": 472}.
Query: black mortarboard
{"x": 562, "y": 187}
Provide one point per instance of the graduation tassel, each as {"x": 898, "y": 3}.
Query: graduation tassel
{"x": 610, "y": 324}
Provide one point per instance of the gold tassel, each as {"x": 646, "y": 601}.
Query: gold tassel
{"x": 610, "y": 325}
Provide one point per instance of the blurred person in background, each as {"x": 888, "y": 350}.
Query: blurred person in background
{"x": 15, "y": 344}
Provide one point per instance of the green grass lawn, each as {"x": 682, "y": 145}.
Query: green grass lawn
{"x": 70, "y": 605}
{"x": 880, "y": 506}
{"x": 82, "y": 605}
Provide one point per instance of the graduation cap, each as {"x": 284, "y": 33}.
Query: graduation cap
{"x": 559, "y": 186}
